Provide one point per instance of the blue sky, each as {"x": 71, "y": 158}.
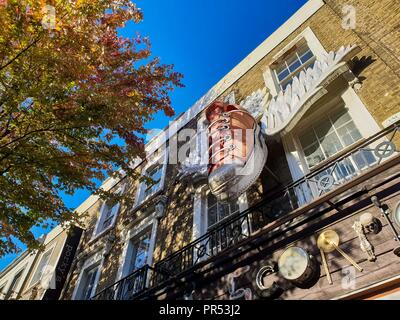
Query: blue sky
{"x": 204, "y": 40}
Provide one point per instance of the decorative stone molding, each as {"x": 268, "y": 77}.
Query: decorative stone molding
{"x": 110, "y": 240}
{"x": 286, "y": 109}
{"x": 161, "y": 202}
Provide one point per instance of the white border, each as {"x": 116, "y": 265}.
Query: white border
{"x": 363, "y": 120}
{"x": 20, "y": 283}
{"x": 96, "y": 234}
{"x": 51, "y": 249}
{"x": 313, "y": 44}
{"x": 94, "y": 259}
{"x": 164, "y": 161}
{"x": 149, "y": 221}
{"x": 200, "y": 214}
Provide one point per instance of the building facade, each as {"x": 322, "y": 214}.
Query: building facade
{"x": 318, "y": 217}
{"x": 41, "y": 274}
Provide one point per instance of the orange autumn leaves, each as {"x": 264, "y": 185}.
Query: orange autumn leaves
{"x": 74, "y": 98}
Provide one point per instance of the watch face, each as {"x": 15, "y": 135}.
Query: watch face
{"x": 293, "y": 263}
{"x": 396, "y": 215}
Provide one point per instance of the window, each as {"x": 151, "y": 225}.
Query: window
{"x": 155, "y": 174}
{"x": 329, "y": 136}
{"x": 290, "y": 66}
{"x": 218, "y": 211}
{"x": 140, "y": 250}
{"x": 89, "y": 281}
{"x": 89, "y": 276}
{"x": 108, "y": 215}
{"x": 13, "y": 286}
{"x": 138, "y": 253}
{"x": 41, "y": 267}
{"x": 154, "y": 170}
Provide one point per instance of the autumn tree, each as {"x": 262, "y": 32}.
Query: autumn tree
{"x": 74, "y": 99}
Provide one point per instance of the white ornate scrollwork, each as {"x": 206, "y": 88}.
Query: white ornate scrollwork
{"x": 256, "y": 103}
{"x": 193, "y": 168}
{"x": 289, "y": 105}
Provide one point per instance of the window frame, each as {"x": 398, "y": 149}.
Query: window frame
{"x": 282, "y": 84}
{"x": 161, "y": 160}
{"x": 95, "y": 260}
{"x": 140, "y": 227}
{"x": 152, "y": 188}
{"x": 307, "y": 36}
{"x": 98, "y": 230}
{"x": 8, "y": 294}
{"x": 334, "y": 105}
{"x": 31, "y": 283}
{"x": 85, "y": 277}
{"x": 200, "y": 213}
{"x": 217, "y": 204}
{"x": 318, "y": 139}
{"x": 132, "y": 240}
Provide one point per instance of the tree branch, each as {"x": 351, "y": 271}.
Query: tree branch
{"x": 20, "y": 53}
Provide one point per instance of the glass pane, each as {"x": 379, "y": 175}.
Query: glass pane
{"x": 314, "y": 155}
{"x": 89, "y": 283}
{"x": 349, "y": 133}
{"x": 234, "y": 207}
{"x": 107, "y": 211}
{"x": 211, "y": 200}
{"x": 340, "y": 118}
{"x": 223, "y": 210}
{"x": 294, "y": 64}
{"x": 212, "y": 215}
{"x": 282, "y": 75}
{"x": 42, "y": 264}
{"x": 140, "y": 251}
{"x": 323, "y": 128}
{"x": 306, "y": 56}
{"x": 344, "y": 169}
{"x": 107, "y": 223}
{"x": 156, "y": 174}
{"x": 307, "y": 139}
{"x": 281, "y": 67}
{"x": 364, "y": 159}
{"x": 331, "y": 144}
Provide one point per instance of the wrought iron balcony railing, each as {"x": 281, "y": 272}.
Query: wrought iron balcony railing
{"x": 328, "y": 176}
{"x": 128, "y": 287}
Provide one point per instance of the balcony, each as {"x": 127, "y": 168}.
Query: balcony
{"x": 278, "y": 208}
{"x": 128, "y": 287}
